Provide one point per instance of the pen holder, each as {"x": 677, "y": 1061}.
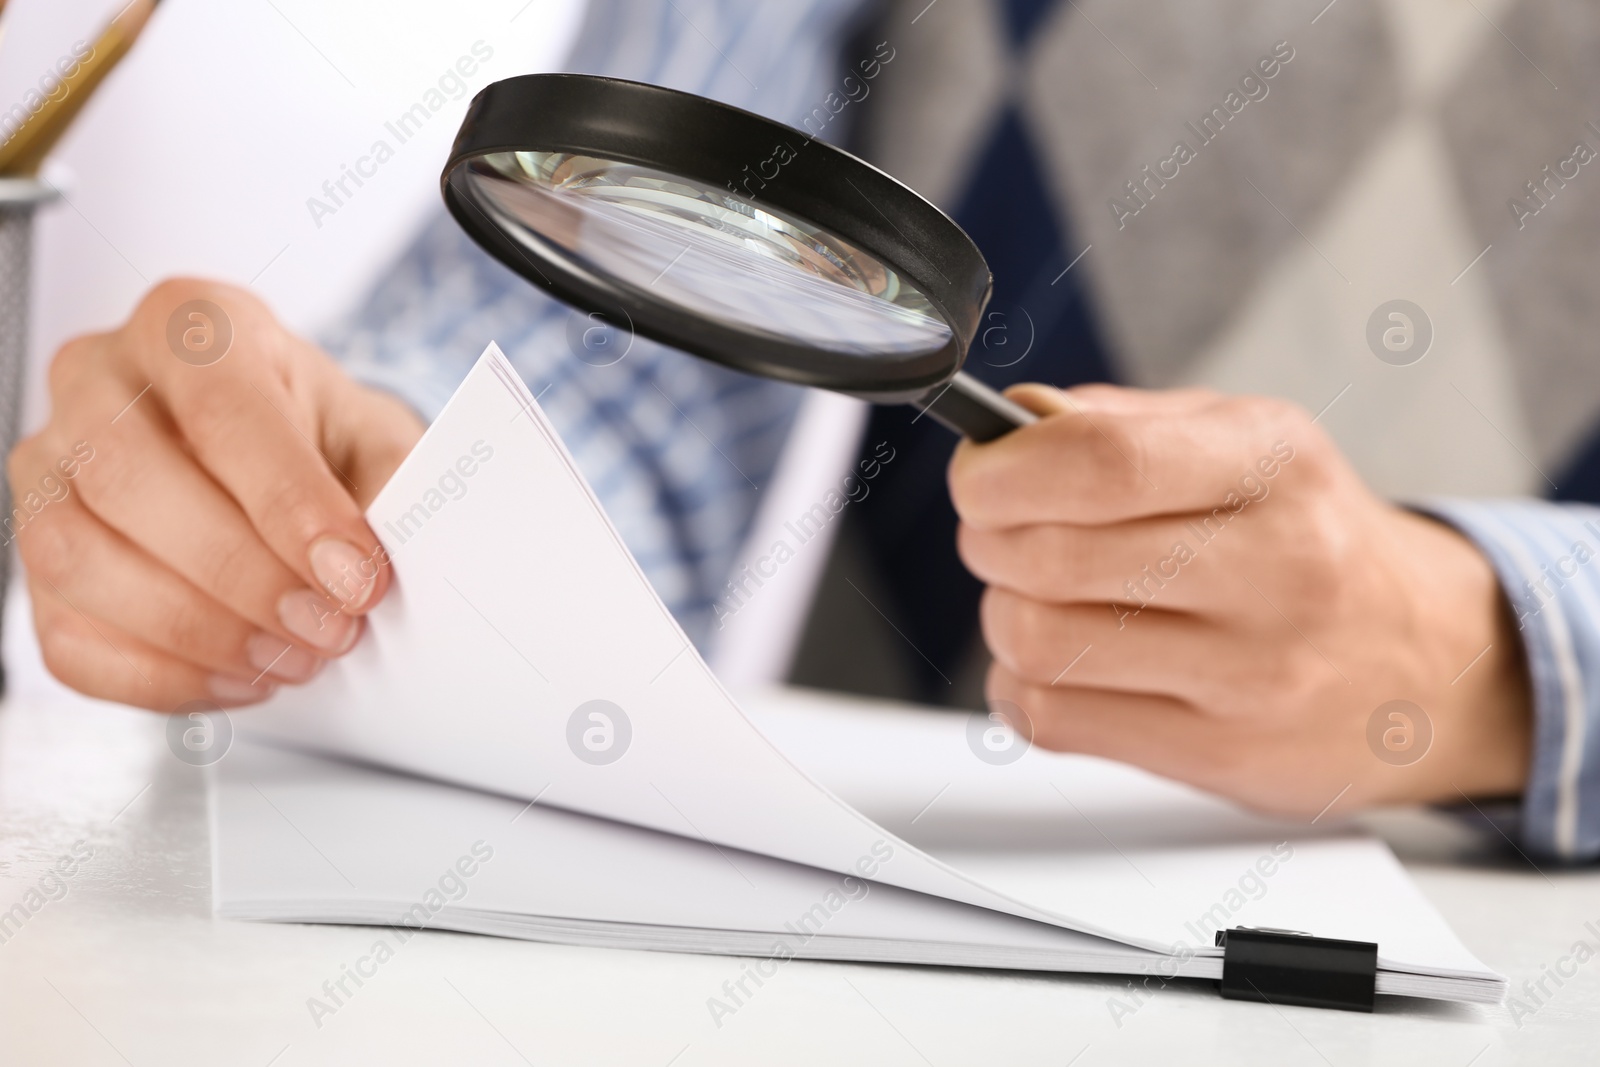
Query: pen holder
{"x": 19, "y": 198}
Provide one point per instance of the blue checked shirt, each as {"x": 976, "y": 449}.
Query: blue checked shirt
{"x": 678, "y": 449}
{"x": 1548, "y": 559}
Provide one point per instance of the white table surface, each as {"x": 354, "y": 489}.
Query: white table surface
{"x": 130, "y": 967}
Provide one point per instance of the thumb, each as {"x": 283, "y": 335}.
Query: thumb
{"x": 369, "y": 433}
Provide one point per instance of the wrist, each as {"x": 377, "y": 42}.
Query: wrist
{"x": 1472, "y": 661}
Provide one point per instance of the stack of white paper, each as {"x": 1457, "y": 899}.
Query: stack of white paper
{"x": 522, "y": 653}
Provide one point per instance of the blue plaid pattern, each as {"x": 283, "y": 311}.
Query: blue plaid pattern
{"x": 677, "y": 449}
{"x": 1547, "y": 557}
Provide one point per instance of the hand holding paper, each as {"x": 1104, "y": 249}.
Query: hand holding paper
{"x": 205, "y": 472}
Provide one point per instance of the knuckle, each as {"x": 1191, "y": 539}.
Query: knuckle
{"x": 170, "y": 292}
{"x": 1002, "y": 684}
{"x": 1288, "y": 419}
{"x": 55, "y": 646}
{"x": 978, "y": 487}
{"x": 222, "y": 568}
{"x": 1311, "y": 583}
{"x": 1300, "y": 678}
{"x": 994, "y": 616}
{"x": 291, "y": 505}
{"x": 1041, "y": 662}
{"x": 1269, "y": 420}
{"x": 1122, "y": 454}
{"x": 1049, "y": 714}
{"x": 49, "y": 550}
{"x": 20, "y": 464}
{"x": 1031, "y": 637}
{"x": 1280, "y": 680}
{"x": 1063, "y": 566}
{"x": 149, "y": 342}
{"x": 190, "y": 628}
{"x": 1310, "y": 451}
{"x": 1093, "y": 391}
{"x": 72, "y": 361}
{"x": 1317, "y": 560}
{"x": 970, "y": 547}
{"x": 1266, "y": 687}
{"x": 60, "y": 647}
{"x": 1276, "y": 685}
{"x": 1266, "y": 415}
{"x": 212, "y": 414}
{"x": 70, "y": 652}
{"x": 982, "y": 551}
{"x": 964, "y": 496}
{"x": 1203, "y": 394}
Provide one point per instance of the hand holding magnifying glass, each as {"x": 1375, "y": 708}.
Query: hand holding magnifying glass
{"x": 654, "y": 210}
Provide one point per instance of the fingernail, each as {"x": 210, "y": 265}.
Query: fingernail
{"x": 275, "y": 656}
{"x": 307, "y": 616}
{"x": 343, "y": 571}
{"x": 237, "y": 691}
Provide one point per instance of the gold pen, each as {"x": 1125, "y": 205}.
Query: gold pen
{"x": 26, "y": 149}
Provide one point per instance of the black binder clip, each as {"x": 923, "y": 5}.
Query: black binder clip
{"x": 1289, "y": 967}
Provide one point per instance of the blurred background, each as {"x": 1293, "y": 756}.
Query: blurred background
{"x": 200, "y": 152}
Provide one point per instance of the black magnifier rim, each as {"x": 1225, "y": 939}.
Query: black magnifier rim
{"x": 712, "y": 143}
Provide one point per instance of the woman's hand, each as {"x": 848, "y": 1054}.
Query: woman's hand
{"x": 191, "y": 515}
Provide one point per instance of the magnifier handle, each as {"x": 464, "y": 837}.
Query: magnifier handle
{"x": 971, "y": 408}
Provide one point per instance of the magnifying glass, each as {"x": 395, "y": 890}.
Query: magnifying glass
{"x": 728, "y": 236}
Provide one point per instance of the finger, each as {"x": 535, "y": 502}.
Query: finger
{"x": 102, "y": 661}
{"x": 1208, "y": 666}
{"x": 1048, "y": 400}
{"x": 370, "y": 444}
{"x": 142, "y": 484}
{"x": 73, "y": 552}
{"x": 1105, "y": 458}
{"x": 259, "y": 436}
{"x": 1154, "y": 732}
{"x": 1189, "y": 563}
{"x": 1257, "y": 763}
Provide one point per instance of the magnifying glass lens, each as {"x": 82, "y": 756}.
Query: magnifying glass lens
{"x": 706, "y": 250}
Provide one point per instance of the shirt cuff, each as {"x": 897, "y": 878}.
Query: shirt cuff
{"x": 1547, "y": 557}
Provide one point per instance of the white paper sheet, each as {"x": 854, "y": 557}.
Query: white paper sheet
{"x": 302, "y": 838}
{"x": 514, "y": 603}
{"x": 1140, "y": 854}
